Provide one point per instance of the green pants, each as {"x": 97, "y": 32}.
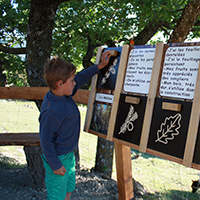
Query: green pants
{"x": 57, "y": 185}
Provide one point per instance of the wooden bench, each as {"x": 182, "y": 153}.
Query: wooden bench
{"x": 30, "y": 93}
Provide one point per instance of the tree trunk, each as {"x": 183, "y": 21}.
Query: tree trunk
{"x": 186, "y": 22}
{"x": 147, "y": 33}
{"x": 104, "y": 157}
{"x": 35, "y": 166}
{"x": 77, "y": 157}
{"x": 38, "y": 50}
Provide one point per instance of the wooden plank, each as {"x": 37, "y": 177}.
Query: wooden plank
{"x": 24, "y": 139}
{"x": 38, "y": 93}
{"x": 132, "y": 100}
{"x": 124, "y": 172}
{"x": 165, "y": 156}
{"x": 28, "y": 93}
{"x": 195, "y": 166}
{"x": 97, "y": 134}
{"x": 171, "y": 106}
{"x": 122, "y": 142}
{"x": 118, "y": 89}
{"x": 82, "y": 96}
{"x": 92, "y": 94}
{"x": 151, "y": 96}
{"x": 193, "y": 125}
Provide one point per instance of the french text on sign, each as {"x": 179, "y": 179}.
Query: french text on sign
{"x": 139, "y": 69}
{"x": 180, "y": 72}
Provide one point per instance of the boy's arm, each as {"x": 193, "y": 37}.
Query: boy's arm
{"x": 84, "y": 76}
{"x": 46, "y": 140}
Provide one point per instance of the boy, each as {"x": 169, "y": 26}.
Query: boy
{"x": 60, "y": 124}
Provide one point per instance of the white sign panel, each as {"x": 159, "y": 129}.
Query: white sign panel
{"x": 139, "y": 69}
{"x": 180, "y": 72}
{"x": 106, "y": 98}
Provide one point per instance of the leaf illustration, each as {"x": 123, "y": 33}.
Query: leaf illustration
{"x": 131, "y": 117}
{"x": 111, "y": 69}
{"x": 169, "y": 129}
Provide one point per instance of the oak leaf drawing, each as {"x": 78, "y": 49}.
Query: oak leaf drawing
{"x": 169, "y": 129}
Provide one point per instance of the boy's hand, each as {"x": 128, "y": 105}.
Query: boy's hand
{"x": 104, "y": 59}
{"x": 60, "y": 171}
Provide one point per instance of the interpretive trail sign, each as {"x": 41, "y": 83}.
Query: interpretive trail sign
{"x": 133, "y": 97}
{"x": 139, "y": 69}
{"x": 103, "y": 94}
{"x": 171, "y": 117}
{"x": 152, "y": 101}
{"x": 180, "y": 72}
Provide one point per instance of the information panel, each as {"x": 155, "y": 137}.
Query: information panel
{"x": 139, "y": 69}
{"x": 104, "y": 93}
{"x": 170, "y": 123}
{"x": 148, "y": 98}
{"x": 131, "y": 108}
{"x": 108, "y": 75}
{"x": 169, "y": 128}
{"x": 180, "y": 72}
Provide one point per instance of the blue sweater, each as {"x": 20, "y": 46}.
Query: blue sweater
{"x": 60, "y": 121}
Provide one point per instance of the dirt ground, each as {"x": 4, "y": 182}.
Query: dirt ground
{"x": 15, "y": 185}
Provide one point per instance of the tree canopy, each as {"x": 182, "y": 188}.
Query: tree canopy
{"x": 80, "y": 26}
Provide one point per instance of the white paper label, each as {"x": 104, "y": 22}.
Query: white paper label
{"x": 106, "y": 98}
{"x": 139, "y": 69}
{"x": 180, "y": 72}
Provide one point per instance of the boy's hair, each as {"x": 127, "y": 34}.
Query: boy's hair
{"x": 57, "y": 69}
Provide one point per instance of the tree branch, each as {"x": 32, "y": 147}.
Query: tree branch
{"x": 12, "y": 50}
{"x": 186, "y": 22}
{"x": 147, "y": 33}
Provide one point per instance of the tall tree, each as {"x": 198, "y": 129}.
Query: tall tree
{"x": 38, "y": 50}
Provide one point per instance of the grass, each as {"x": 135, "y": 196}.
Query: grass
{"x": 163, "y": 179}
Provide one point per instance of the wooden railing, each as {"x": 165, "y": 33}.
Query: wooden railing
{"x": 30, "y": 93}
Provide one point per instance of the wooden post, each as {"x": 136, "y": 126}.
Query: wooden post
{"x": 151, "y": 97}
{"x": 124, "y": 171}
{"x": 193, "y": 125}
{"x": 118, "y": 89}
{"x": 92, "y": 93}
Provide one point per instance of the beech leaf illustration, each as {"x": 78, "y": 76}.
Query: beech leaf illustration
{"x": 169, "y": 129}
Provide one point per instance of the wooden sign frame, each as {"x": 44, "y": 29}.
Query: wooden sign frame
{"x": 94, "y": 90}
{"x": 192, "y": 127}
{"x": 150, "y": 106}
{"x": 152, "y": 95}
{"x": 150, "y": 101}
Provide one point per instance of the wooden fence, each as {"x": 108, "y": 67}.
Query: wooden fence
{"x": 30, "y": 93}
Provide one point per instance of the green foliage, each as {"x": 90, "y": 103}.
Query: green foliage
{"x": 97, "y": 21}
{"x": 79, "y": 23}
{"x": 13, "y": 26}
{"x": 14, "y": 69}
{"x": 13, "y": 22}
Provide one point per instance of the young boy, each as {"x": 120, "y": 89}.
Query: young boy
{"x": 60, "y": 124}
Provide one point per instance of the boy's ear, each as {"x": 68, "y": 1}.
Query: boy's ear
{"x": 59, "y": 84}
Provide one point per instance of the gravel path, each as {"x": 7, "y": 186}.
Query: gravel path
{"x": 15, "y": 185}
